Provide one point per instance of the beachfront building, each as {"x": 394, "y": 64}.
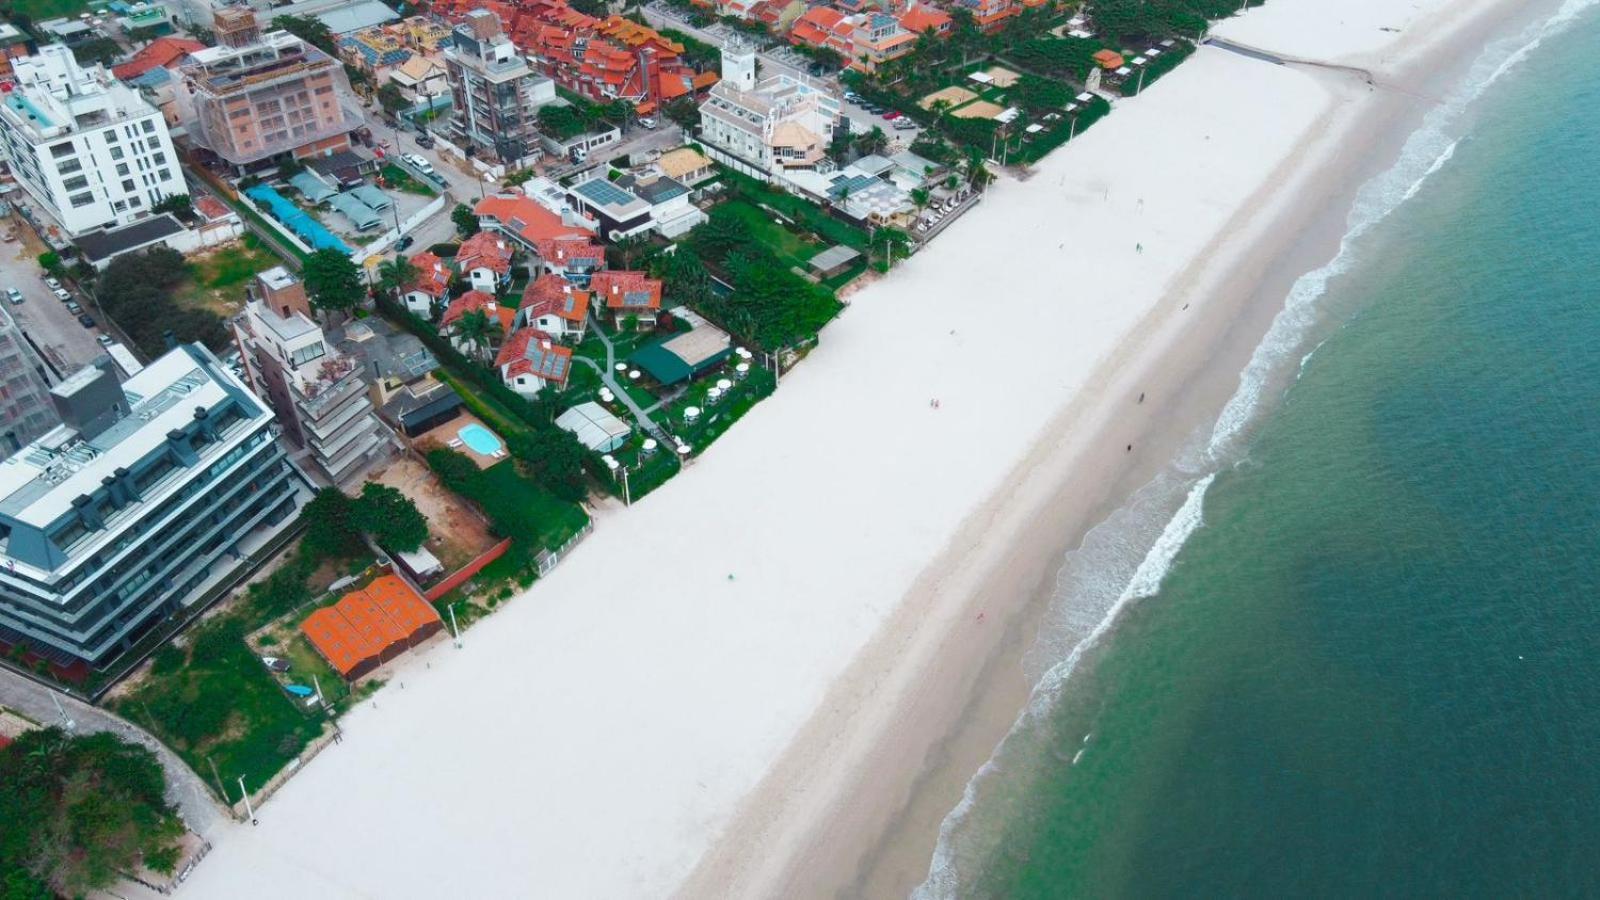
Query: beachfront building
{"x": 627, "y": 295}
{"x": 496, "y": 94}
{"x": 485, "y": 261}
{"x": 86, "y": 147}
{"x": 258, "y": 95}
{"x": 685, "y": 165}
{"x": 318, "y": 393}
{"x": 990, "y": 15}
{"x": 530, "y": 360}
{"x": 146, "y": 496}
{"x": 766, "y": 128}
{"x": 865, "y": 39}
{"x": 554, "y": 306}
{"x": 405, "y": 392}
{"x": 13, "y": 45}
{"x": 607, "y": 59}
{"x": 25, "y": 409}
{"x": 924, "y": 18}
{"x": 371, "y": 625}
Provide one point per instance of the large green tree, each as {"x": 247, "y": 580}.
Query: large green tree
{"x": 332, "y": 281}
{"x": 75, "y": 811}
{"x": 465, "y": 219}
{"x": 332, "y": 529}
{"x": 391, "y": 518}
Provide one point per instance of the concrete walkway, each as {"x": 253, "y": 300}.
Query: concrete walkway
{"x": 608, "y": 378}
{"x": 196, "y": 804}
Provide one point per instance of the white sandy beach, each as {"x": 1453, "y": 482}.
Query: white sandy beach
{"x": 641, "y": 723}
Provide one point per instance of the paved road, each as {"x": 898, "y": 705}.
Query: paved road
{"x": 185, "y": 790}
{"x": 67, "y": 345}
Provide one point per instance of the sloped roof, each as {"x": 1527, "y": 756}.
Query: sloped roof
{"x": 476, "y": 300}
{"x": 164, "y": 52}
{"x": 552, "y": 295}
{"x": 532, "y": 352}
{"x": 433, "y": 276}
{"x": 627, "y": 291}
{"x": 485, "y": 250}
{"x": 527, "y": 218}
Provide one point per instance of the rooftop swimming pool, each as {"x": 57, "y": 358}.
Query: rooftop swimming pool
{"x": 482, "y": 441}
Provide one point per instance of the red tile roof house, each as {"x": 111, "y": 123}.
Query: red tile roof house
{"x": 429, "y": 287}
{"x": 485, "y": 261}
{"x": 920, "y": 18}
{"x": 554, "y": 306}
{"x": 572, "y": 258}
{"x": 164, "y": 52}
{"x": 502, "y": 316}
{"x": 628, "y": 294}
{"x": 531, "y": 359}
{"x": 526, "y": 222}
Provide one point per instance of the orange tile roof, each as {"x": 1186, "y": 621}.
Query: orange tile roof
{"x": 627, "y": 290}
{"x": 433, "y": 276}
{"x": 476, "y": 300}
{"x": 526, "y": 218}
{"x": 1108, "y": 59}
{"x": 532, "y": 352}
{"x": 163, "y": 51}
{"x": 357, "y": 632}
{"x": 485, "y": 250}
{"x": 815, "y": 25}
{"x": 552, "y": 295}
{"x": 920, "y": 18}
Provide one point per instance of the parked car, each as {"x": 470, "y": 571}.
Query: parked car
{"x": 904, "y": 124}
{"x": 420, "y": 164}
{"x": 63, "y": 295}
{"x": 15, "y": 296}
{"x": 104, "y": 340}
{"x": 892, "y": 115}
{"x": 425, "y": 141}
{"x": 852, "y": 96}
{"x": 647, "y": 121}
{"x": 404, "y": 243}
{"x": 52, "y": 284}
{"x": 85, "y": 321}
{"x": 73, "y": 307}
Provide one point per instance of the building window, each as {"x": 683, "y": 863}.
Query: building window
{"x": 149, "y": 126}
{"x": 159, "y": 158}
{"x": 83, "y": 199}
{"x": 116, "y": 153}
{"x": 122, "y": 168}
{"x": 163, "y": 175}
{"x": 75, "y": 183}
{"x": 134, "y": 202}
{"x": 64, "y": 148}
{"x": 239, "y": 113}
{"x": 128, "y": 185}
{"x": 71, "y": 165}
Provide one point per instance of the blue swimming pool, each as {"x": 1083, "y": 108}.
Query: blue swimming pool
{"x": 480, "y": 439}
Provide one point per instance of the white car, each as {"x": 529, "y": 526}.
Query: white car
{"x": 420, "y": 164}
{"x": 63, "y": 295}
{"x": 52, "y": 284}
{"x": 15, "y": 296}
{"x": 105, "y": 340}
{"x": 647, "y": 121}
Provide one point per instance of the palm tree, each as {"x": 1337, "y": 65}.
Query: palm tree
{"x": 478, "y": 330}
{"x": 395, "y": 274}
{"x": 939, "y": 108}
{"x": 630, "y": 245}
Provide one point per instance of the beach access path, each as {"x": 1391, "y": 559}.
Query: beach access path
{"x": 602, "y": 732}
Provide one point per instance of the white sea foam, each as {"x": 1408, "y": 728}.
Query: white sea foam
{"x": 1092, "y": 574}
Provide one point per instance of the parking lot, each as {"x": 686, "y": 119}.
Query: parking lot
{"x": 66, "y": 345}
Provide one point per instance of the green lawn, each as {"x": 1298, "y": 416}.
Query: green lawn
{"x": 46, "y": 9}
{"x": 217, "y": 280}
{"x": 401, "y": 180}
{"x": 789, "y": 247}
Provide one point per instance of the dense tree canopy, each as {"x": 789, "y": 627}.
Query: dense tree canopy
{"x": 332, "y": 281}
{"x": 76, "y": 811}
{"x": 391, "y": 518}
{"x": 137, "y": 290}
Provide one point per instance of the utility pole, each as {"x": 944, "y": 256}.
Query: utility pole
{"x": 453, "y": 629}
{"x": 249, "y": 811}
{"x": 627, "y": 495}
{"x": 214, "y": 774}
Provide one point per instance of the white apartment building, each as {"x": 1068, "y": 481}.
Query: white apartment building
{"x": 766, "y": 128}
{"x": 87, "y": 147}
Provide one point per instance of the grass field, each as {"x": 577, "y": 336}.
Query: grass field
{"x": 401, "y": 180}
{"x": 789, "y": 247}
{"x": 44, "y": 9}
{"x": 217, "y": 280}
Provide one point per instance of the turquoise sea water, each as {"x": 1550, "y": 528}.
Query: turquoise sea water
{"x": 1364, "y": 658}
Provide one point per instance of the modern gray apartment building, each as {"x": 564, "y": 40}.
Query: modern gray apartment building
{"x": 149, "y": 492}
{"x": 496, "y": 93}
{"x": 25, "y": 410}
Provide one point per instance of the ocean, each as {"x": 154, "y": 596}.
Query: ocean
{"x": 1363, "y": 657}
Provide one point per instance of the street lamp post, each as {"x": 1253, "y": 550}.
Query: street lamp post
{"x": 249, "y": 811}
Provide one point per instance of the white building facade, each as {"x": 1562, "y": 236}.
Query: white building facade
{"x": 765, "y": 128}
{"x": 87, "y": 147}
